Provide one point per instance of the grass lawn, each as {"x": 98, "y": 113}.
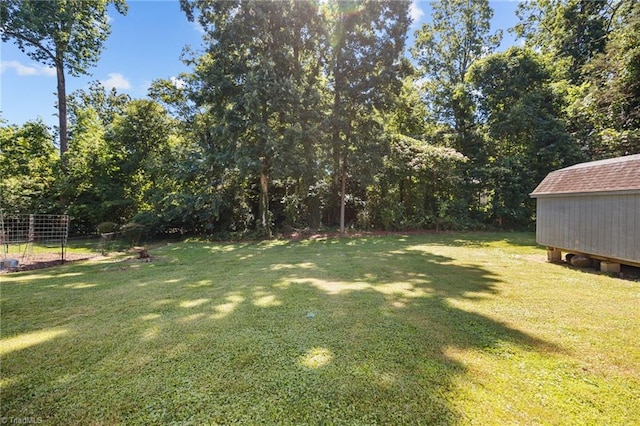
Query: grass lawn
{"x": 420, "y": 329}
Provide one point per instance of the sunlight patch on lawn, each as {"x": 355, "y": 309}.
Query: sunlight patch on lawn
{"x": 23, "y": 341}
{"x": 403, "y": 288}
{"x": 5, "y": 382}
{"x": 201, "y": 283}
{"x": 316, "y": 357}
{"x": 281, "y": 266}
{"x": 79, "y": 285}
{"x": 406, "y": 289}
{"x": 267, "y": 301}
{"x": 150, "y": 317}
{"x": 333, "y": 287}
{"x": 193, "y": 303}
{"x": 162, "y": 302}
{"x": 25, "y": 279}
{"x": 192, "y": 317}
{"x": 150, "y": 333}
{"x": 225, "y": 309}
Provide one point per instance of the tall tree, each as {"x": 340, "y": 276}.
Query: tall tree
{"x": 572, "y": 32}
{"x": 63, "y": 34}
{"x": 90, "y": 189}
{"x": 249, "y": 83}
{"x": 526, "y": 138}
{"x": 612, "y": 102}
{"x": 445, "y": 48}
{"x": 365, "y": 69}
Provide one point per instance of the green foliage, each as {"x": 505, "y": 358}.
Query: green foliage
{"x": 572, "y": 32}
{"x": 28, "y": 169}
{"x": 149, "y": 220}
{"x": 62, "y": 34}
{"x": 609, "y": 105}
{"x": 107, "y": 105}
{"x": 459, "y": 33}
{"x": 107, "y": 227}
{"x": 133, "y": 232}
{"x": 365, "y": 72}
{"x": 417, "y": 188}
{"x": 260, "y": 59}
{"x": 525, "y": 138}
{"x": 302, "y": 115}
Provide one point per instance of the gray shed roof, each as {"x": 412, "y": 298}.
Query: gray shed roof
{"x": 612, "y": 175}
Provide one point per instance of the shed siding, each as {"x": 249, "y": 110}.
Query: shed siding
{"x": 603, "y": 225}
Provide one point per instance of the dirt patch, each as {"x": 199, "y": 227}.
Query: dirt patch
{"x": 45, "y": 260}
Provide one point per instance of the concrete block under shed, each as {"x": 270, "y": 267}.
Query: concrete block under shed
{"x": 554, "y": 255}
{"x": 610, "y": 267}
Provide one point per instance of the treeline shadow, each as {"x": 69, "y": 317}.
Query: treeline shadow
{"x": 335, "y": 331}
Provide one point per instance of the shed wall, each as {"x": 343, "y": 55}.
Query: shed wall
{"x": 603, "y": 225}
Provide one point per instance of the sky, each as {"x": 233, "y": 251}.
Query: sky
{"x": 144, "y": 45}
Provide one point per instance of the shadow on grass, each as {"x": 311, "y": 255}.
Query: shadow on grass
{"x": 344, "y": 331}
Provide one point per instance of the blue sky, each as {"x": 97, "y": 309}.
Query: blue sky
{"x": 144, "y": 45}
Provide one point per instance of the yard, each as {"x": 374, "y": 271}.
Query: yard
{"x": 397, "y": 329}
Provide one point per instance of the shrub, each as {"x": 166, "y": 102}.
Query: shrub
{"x": 107, "y": 228}
{"x": 133, "y": 232}
{"x": 150, "y": 220}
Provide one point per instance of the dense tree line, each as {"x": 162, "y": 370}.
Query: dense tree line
{"x": 299, "y": 114}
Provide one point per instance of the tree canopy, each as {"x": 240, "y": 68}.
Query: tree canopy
{"x": 305, "y": 115}
{"x": 62, "y": 34}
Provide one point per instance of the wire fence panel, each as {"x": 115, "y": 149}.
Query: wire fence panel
{"x": 32, "y": 238}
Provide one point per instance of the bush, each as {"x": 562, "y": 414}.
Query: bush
{"x": 149, "y": 220}
{"x": 133, "y": 232}
{"x": 107, "y": 228}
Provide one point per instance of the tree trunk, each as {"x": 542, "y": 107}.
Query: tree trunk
{"x": 265, "y": 220}
{"x": 62, "y": 111}
{"x": 343, "y": 191}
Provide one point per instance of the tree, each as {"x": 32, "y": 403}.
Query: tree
{"x": 138, "y": 140}
{"x": 458, "y": 35}
{"x": 365, "y": 74}
{"x": 107, "y": 105}
{"x": 63, "y": 34}
{"x": 572, "y": 32}
{"x": 444, "y": 50}
{"x": 417, "y": 187}
{"x": 526, "y": 138}
{"x": 28, "y": 163}
{"x": 610, "y": 108}
{"x": 89, "y": 187}
{"x": 251, "y": 83}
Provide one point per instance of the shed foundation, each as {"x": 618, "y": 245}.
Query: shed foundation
{"x": 554, "y": 255}
{"x": 609, "y": 267}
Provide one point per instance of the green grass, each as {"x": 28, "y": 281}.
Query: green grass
{"x": 18, "y": 250}
{"x": 420, "y": 329}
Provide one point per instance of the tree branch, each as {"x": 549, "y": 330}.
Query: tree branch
{"x": 34, "y": 43}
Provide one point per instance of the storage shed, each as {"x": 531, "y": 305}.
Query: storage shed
{"x": 592, "y": 209}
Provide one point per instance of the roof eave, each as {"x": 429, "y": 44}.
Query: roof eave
{"x": 585, "y": 193}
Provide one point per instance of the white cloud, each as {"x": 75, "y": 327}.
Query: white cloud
{"x": 179, "y": 83}
{"x": 25, "y": 70}
{"x": 416, "y": 12}
{"x": 117, "y": 81}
